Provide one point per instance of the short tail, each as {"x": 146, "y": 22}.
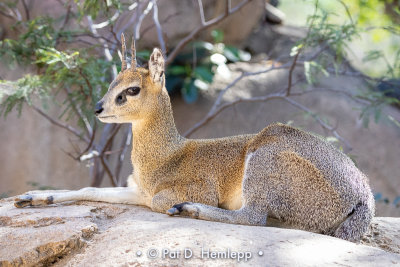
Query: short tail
{"x": 355, "y": 226}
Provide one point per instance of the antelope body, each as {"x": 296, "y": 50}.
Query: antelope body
{"x": 282, "y": 173}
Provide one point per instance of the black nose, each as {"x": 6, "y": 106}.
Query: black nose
{"x": 98, "y": 108}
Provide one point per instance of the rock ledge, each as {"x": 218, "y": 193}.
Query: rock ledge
{"x": 101, "y": 234}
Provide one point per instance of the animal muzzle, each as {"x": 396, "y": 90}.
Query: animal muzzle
{"x": 98, "y": 108}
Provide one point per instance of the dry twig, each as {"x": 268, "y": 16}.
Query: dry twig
{"x": 283, "y": 94}
{"x": 158, "y": 27}
{"x": 62, "y": 125}
{"x": 204, "y": 25}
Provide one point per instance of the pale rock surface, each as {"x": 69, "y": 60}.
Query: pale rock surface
{"x": 101, "y": 234}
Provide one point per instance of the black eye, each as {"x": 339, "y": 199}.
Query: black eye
{"x": 121, "y": 98}
{"x": 133, "y": 91}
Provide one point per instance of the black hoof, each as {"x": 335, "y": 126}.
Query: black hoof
{"x": 173, "y": 211}
{"x": 23, "y": 201}
{"x": 177, "y": 208}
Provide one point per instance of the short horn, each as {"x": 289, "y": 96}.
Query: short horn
{"x": 133, "y": 53}
{"x": 123, "y": 48}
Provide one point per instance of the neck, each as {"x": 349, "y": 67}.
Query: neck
{"x": 155, "y": 138}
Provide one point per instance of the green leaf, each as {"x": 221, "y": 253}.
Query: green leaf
{"x": 50, "y": 56}
{"x": 397, "y": 123}
{"x": 145, "y": 54}
{"x": 295, "y": 50}
{"x": 319, "y": 67}
{"x": 231, "y": 53}
{"x": 206, "y": 45}
{"x": 244, "y": 56}
{"x": 203, "y": 73}
{"x": 16, "y": 93}
{"x": 189, "y": 92}
{"x": 307, "y": 71}
{"x": 234, "y": 54}
{"x": 201, "y": 84}
{"x": 173, "y": 83}
{"x": 365, "y": 121}
{"x": 378, "y": 113}
{"x": 176, "y": 70}
{"x": 217, "y": 35}
{"x": 372, "y": 55}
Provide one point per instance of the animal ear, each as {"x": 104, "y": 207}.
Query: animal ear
{"x": 156, "y": 67}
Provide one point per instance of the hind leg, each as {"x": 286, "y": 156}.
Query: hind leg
{"x": 246, "y": 215}
{"x": 353, "y": 228}
{"x": 252, "y": 212}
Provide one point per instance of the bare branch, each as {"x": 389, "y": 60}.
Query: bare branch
{"x": 111, "y": 152}
{"x": 62, "y": 125}
{"x": 200, "y": 28}
{"x": 104, "y": 136}
{"x": 26, "y": 9}
{"x": 163, "y": 22}
{"x": 158, "y": 27}
{"x": 321, "y": 49}
{"x": 201, "y": 9}
{"x": 320, "y": 122}
{"x": 12, "y": 13}
{"x": 291, "y": 73}
{"x": 356, "y": 99}
{"x": 97, "y": 37}
{"x": 214, "y": 109}
{"x": 212, "y": 115}
{"x": 6, "y": 15}
{"x": 284, "y": 94}
{"x": 102, "y": 155}
{"x": 107, "y": 169}
{"x": 91, "y": 139}
{"x": 107, "y": 22}
{"x": 265, "y": 98}
{"x": 78, "y": 112}
{"x": 110, "y": 139}
{"x": 66, "y": 19}
{"x": 141, "y": 18}
{"x": 69, "y": 154}
{"x": 126, "y": 141}
{"x": 95, "y": 173}
{"x": 17, "y": 14}
{"x": 67, "y": 16}
{"x": 227, "y": 6}
{"x": 132, "y": 19}
{"x": 107, "y": 52}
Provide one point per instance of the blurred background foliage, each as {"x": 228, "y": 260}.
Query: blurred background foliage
{"x": 70, "y": 73}
{"x": 194, "y": 70}
{"x": 355, "y": 27}
{"x": 376, "y": 50}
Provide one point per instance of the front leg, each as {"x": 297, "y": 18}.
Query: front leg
{"x": 123, "y": 195}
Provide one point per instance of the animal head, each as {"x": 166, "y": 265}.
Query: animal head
{"x": 134, "y": 92}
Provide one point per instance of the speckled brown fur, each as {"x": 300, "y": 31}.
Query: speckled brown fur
{"x": 281, "y": 172}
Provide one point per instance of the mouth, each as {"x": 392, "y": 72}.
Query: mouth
{"x": 105, "y": 117}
